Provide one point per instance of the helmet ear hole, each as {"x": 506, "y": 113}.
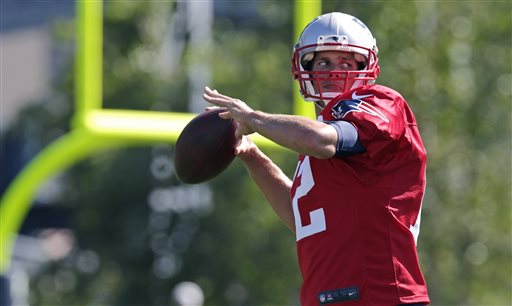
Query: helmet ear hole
{"x": 308, "y": 66}
{"x": 359, "y": 57}
{"x": 361, "y": 61}
{"x": 307, "y": 61}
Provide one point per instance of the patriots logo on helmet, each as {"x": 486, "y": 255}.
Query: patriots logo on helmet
{"x": 343, "y": 107}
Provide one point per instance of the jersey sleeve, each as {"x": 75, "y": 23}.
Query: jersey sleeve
{"x": 378, "y": 118}
{"x": 348, "y": 140}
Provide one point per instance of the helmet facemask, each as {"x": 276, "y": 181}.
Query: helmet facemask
{"x": 342, "y": 80}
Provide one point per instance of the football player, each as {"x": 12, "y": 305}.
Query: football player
{"x": 355, "y": 200}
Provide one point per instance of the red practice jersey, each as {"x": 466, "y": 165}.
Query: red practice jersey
{"x": 357, "y": 218}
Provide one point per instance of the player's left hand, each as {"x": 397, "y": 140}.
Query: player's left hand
{"x": 245, "y": 148}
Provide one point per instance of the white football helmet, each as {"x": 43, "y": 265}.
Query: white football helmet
{"x": 334, "y": 32}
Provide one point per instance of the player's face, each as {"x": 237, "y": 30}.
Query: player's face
{"x": 334, "y": 61}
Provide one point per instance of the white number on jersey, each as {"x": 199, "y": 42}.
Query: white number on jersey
{"x": 317, "y": 216}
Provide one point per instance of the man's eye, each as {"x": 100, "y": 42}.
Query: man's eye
{"x": 322, "y": 63}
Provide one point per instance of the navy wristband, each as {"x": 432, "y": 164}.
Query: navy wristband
{"x": 348, "y": 139}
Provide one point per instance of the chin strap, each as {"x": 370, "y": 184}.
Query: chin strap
{"x": 320, "y": 104}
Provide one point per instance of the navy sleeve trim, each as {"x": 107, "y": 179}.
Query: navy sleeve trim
{"x": 348, "y": 139}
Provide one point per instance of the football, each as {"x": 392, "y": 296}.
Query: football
{"x": 205, "y": 147}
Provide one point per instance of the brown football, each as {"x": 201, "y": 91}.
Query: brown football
{"x": 205, "y": 147}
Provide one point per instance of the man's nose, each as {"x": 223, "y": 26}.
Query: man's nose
{"x": 338, "y": 73}
{"x": 337, "y": 68}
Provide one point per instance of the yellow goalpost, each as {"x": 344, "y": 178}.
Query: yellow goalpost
{"x": 96, "y": 129}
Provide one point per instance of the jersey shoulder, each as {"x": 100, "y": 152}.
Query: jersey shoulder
{"x": 377, "y": 91}
{"x": 375, "y": 100}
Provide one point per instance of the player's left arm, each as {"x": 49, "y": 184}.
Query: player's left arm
{"x": 270, "y": 179}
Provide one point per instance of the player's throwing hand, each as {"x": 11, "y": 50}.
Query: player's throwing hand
{"x": 235, "y": 108}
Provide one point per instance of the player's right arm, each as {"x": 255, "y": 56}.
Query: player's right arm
{"x": 271, "y": 180}
{"x": 302, "y": 135}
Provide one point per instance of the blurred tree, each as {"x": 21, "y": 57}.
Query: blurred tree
{"x": 139, "y": 233}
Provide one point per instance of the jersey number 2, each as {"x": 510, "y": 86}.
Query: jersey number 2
{"x": 316, "y": 216}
